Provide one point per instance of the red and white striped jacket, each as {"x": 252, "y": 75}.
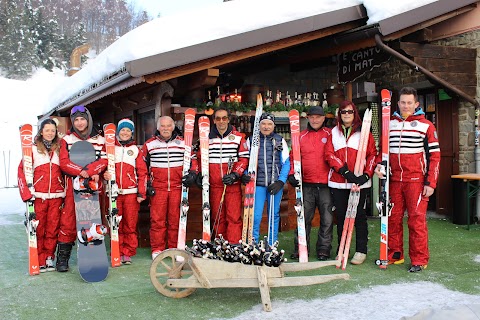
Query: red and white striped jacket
{"x": 221, "y": 147}
{"x": 48, "y": 180}
{"x": 165, "y": 158}
{"x": 414, "y": 150}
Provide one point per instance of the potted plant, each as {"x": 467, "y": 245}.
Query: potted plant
{"x": 331, "y": 110}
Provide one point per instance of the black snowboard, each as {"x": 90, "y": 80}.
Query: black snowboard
{"x": 92, "y": 258}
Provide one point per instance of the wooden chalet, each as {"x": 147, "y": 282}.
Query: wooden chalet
{"x": 335, "y": 53}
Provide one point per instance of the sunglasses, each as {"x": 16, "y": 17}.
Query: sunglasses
{"x": 78, "y": 109}
{"x": 224, "y": 118}
{"x": 347, "y": 111}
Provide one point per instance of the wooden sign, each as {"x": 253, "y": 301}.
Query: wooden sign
{"x": 352, "y": 65}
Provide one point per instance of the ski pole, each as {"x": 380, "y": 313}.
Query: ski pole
{"x": 217, "y": 218}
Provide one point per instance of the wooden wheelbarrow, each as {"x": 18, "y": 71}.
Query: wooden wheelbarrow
{"x": 176, "y": 274}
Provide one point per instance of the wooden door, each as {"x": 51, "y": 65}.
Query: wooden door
{"x": 447, "y": 129}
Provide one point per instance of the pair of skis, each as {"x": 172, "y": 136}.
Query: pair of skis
{"x": 112, "y": 190}
{"x": 249, "y": 202}
{"x": 354, "y": 196}
{"x": 297, "y": 171}
{"x": 31, "y": 223}
{"x": 383, "y": 205}
{"x": 189, "y": 125}
{"x": 204, "y": 132}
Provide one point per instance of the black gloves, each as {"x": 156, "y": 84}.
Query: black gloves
{"x": 293, "y": 182}
{"x": 246, "y": 179}
{"x": 199, "y": 181}
{"x": 351, "y": 177}
{"x": 150, "y": 189}
{"x": 362, "y": 179}
{"x": 347, "y": 174}
{"x": 275, "y": 187}
{"x": 230, "y": 178}
{"x": 189, "y": 179}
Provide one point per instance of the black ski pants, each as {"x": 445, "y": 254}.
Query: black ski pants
{"x": 340, "y": 201}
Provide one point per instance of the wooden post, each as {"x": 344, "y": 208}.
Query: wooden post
{"x": 264, "y": 289}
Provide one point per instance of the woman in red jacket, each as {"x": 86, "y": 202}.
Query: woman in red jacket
{"x": 131, "y": 177}
{"x": 48, "y": 191}
{"x": 341, "y": 153}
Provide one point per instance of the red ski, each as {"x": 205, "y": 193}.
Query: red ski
{"x": 112, "y": 190}
{"x": 31, "y": 222}
{"x": 188, "y": 126}
{"x": 354, "y": 197}
{"x": 204, "y": 131}
{"x": 384, "y": 206}
{"x": 297, "y": 168}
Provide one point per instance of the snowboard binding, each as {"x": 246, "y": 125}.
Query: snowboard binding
{"x": 85, "y": 185}
{"x": 95, "y": 234}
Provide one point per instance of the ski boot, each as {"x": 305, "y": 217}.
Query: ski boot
{"x": 63, "y": 255}
{"x": 95, "y": 234}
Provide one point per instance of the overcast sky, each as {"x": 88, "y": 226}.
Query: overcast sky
{"x": 168, "y": 7}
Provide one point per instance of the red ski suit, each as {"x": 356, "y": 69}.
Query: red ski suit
{"x": 68, "y": 227}
{"x": 165, "y": 159}
{"x": 414, "y": 163}
{"x": 232, "y": 143}
{"x": 131, "y": 179}
{"x": 48, "y": 183}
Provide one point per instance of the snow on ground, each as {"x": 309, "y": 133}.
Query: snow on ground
{"x": 11, "y": 205}
{"x": 378, "y": 302}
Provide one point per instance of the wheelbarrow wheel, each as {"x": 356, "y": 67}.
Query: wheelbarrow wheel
{"x": 171, "y": 264}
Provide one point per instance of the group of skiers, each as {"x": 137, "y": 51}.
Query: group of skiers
{"x": 156, "y": 171}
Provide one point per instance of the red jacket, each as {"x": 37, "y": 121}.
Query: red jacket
{"x": 165, "y": 159}
{"x": 130, "y": 169}
{"x": 315, "y": 168}
{"x": 70, "y": 168}
{"x": 48, "y": 180}
{"x": 232, "y": 143}
{"x": 414, "y": 150}
{"x": 340, "y": 150}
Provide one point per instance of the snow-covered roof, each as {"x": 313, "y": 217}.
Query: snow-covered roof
{"x": 163, "y": 42}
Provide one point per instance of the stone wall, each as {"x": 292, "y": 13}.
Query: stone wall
{"x": 396, "y": 74}
{"x": 466, "y": 112}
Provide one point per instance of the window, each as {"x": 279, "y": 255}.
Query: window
{"x": 147, "y": 126}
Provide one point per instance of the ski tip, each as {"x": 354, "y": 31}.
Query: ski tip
{"x": 259, "y": 100}
{"x": 386, "y": 94}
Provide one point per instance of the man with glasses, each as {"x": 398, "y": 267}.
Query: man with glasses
{"x": 316, "y": 193}
{"x": 226, "y": 144}
{"x": 82, "y": 130}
